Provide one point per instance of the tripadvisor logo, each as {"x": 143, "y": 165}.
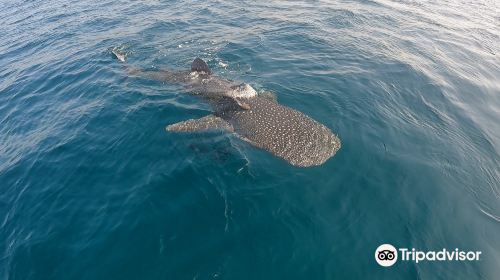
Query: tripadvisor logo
{"x": 387, "y": 255}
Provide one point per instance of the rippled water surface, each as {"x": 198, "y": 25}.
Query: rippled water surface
{"x": 93, "y": 187}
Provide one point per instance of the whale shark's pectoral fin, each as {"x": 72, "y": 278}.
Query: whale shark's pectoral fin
{"x": 207, "y": 123}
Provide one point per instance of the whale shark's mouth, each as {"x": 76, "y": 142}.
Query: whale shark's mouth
{"x": 243, "y": 91}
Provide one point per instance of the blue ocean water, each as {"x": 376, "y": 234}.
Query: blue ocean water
{"x": 93, "y": 187}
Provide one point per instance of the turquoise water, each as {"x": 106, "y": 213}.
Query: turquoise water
{"x": 93, "y": 187}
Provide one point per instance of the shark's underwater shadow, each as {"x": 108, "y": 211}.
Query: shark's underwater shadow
{"x": 220, "y": 149}
{"x": 255, "y": 118}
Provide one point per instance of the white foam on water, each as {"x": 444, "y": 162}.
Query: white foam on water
{"x": 223, "y": 65}
{"x": 194, "y": 74}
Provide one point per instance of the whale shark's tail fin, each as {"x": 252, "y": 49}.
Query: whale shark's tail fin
{"x": 199, "y": 65}
{"x": 119, "y": 53}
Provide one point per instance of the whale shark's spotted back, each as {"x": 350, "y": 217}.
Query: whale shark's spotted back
{"x": 285, "y": 132}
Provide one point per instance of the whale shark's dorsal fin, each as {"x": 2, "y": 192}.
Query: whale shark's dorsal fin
{"x": 207, "y": 123}
{"x": 199, "y": 65}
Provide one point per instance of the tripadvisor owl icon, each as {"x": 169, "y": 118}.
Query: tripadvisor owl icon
{"x": 386, "y": 255}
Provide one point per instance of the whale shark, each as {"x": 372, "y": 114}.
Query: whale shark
{"x": 256, "y": 118}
